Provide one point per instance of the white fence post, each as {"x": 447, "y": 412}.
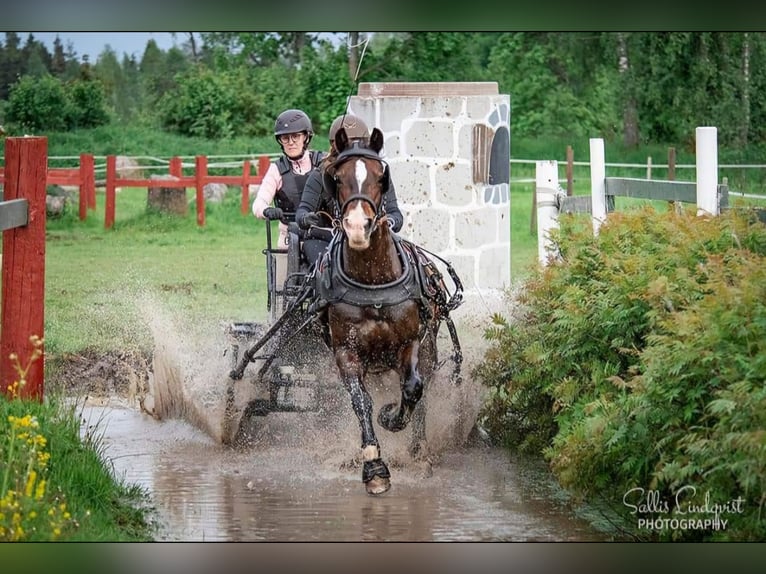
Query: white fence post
{"x": 597, "y": 184}
{"x": 707, "y": 170}
{"x": 546, "y": 188}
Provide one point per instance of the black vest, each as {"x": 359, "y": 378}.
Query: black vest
{"x": 289, "y": 197}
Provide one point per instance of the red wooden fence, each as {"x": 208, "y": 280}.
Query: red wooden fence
{"x": 84, "y": 177}
{"x": 22, "y": 315}
{"x": 198, "y": 180}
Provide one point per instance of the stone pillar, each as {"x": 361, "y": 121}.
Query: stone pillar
{"x": 448, "y": 147}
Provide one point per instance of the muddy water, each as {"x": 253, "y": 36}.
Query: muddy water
{"x": 298, "y": 477}
{"x": 204, "y": 491}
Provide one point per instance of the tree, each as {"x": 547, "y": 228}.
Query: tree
{"x": 11, "y": 68}
{"x": 58, "y": 61}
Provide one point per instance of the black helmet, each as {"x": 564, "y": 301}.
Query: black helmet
{"x": 293, "y": 122}
{"x": 354, "y": 125}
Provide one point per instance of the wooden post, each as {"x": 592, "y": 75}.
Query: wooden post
{"x": 671, "y": 164}
{"x": 176, "y": 167}
{"x": 546, "y": 188}
{"x": 23, "y": 267}
{"x": 533, "y": 219}
{"x": 245, "y": 207}
{"x": 570, "y": 171}
{"x": 707, "y": 170}
{"x": 200, "y": 166}
{"x": 671, "y": 172}
{"x": 111, "y": 177}
{"x": 87, "y": 184}
{"x": 597, "y": 183}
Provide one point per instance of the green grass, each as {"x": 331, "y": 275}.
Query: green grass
{"x": 102, "y": 508}
{"x": 97, "y": 279}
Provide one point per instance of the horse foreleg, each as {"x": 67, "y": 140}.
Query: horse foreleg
{"x": 375, "y": 473}
{"x": 395, "y": 417}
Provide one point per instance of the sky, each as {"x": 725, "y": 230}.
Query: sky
{"x": 93, "y": 43}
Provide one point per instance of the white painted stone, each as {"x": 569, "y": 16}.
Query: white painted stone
{"x": 451, "y": 187}
{"x": 475, "y": 228}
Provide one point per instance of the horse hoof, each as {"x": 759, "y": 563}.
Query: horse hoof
{"x": 389, "y": 419}
{"x": 377, "y": 485}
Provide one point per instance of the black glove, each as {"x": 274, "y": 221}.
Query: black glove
{"x": 274, "y": 213}
{"x": 310, "y": 219}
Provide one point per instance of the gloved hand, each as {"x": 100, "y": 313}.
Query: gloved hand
{"x": 274, "y": 213}
{"x": 310, "y": 219}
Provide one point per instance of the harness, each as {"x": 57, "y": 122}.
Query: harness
{"x": 289, "y": 196}
{"x": 334, "y": 286}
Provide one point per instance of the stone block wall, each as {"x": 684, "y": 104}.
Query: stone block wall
{"x": 448, "y": 148}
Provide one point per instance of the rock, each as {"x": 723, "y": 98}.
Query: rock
{"x": 128, "y": 167}
{"x": 215, "y": 192}
{"x": 55, "y": 205}
{"x": 167, "y": 199}
{"x": 56, "y": 200}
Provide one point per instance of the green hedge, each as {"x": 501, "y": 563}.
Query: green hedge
{"x": 638, "y": 361}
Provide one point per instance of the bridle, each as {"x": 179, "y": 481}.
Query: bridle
{"x": 331, "y": 184}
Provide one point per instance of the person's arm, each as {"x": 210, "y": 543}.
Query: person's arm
{"x": 272, "y": 181}
{"x": 391, "y": 206}
{"x": 311, "y": 197}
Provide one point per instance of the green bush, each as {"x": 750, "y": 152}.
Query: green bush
{"x": 638, "y": 360}
{"x": 211, "y": 105}
{"x": 38, "y": 104}
{"x": 44, "y": 104}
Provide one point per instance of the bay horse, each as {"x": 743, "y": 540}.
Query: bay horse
{"x": 376, "y": 316}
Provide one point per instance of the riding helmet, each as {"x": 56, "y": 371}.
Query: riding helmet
{"x": 354, "y": 125}
{"x": 293, "y": 122}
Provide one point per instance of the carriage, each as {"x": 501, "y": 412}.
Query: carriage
{"x": 373, "y": 302}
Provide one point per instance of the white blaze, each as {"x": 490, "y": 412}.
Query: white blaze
{"x": 356, "y": 219}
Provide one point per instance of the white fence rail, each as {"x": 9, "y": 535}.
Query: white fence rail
{"x": 706, "y": 192}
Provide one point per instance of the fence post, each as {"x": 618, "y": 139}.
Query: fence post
{"x": 597, "y": 183}
{"x": 570, "y": 171}
{"x": 176, "y": 167}
{"x": 546, "y": 189}
{"x": 111, "y": 177}
{"x": 23, "y": 267}
{"x": 200, "y": 167}
{"x": 671, "y": 164}
{"x": 87, "y": 184}
{"x": 707, "y": 170}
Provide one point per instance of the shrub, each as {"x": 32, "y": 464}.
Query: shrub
{"x": 638, "y": 360}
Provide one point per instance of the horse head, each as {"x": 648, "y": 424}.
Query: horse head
{"x": 357, "y": 179}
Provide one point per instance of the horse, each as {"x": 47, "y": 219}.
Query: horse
{"x": 376, "y": 317}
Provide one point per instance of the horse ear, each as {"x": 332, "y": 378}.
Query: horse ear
{"x": 341, "y": 140}
{"x": 376, "y": 140}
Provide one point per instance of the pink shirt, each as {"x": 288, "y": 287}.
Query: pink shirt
{"x": 272, "y": 182}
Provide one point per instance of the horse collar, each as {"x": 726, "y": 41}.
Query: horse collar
{"x": 334, "y": 285}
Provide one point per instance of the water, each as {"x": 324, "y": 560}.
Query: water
{"x": 299, "y": 477}
{"x": 270, "y": 492}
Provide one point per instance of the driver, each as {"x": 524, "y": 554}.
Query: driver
{"x": 315, "y": 198}
{"x": 286, "y": 176}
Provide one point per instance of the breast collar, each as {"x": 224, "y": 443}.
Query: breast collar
{"x": 335, "y": 286}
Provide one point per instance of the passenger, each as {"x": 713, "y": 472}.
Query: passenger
{"x": 314, "y": 198}
{"x": 284, "y": 180}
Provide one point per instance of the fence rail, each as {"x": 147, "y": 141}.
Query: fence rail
{"x": 84, "y": 177}
{"x": 709, "y": 196}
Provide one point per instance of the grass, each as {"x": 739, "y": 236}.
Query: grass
{"x": 57, "y": 486}
{"x": 96, "y": 279}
